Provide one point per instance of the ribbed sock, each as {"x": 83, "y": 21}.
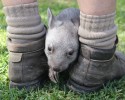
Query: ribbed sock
{"x": 24, "y": 25}
{"x": 97, "y": 31}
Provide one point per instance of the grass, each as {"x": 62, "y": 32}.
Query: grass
{"x": 113, "y": 91}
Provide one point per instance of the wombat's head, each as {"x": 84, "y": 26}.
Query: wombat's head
{"x": 62, "y": 44}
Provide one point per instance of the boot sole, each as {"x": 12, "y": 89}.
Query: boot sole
{"x": 36, "y": 84}
{"x": 82, "y": 89}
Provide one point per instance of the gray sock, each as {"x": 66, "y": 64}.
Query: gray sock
{"x": 97, "y": 31}
{"x": 24, "y": 26}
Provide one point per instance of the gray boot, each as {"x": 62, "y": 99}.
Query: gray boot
{"x": 98, "y": 62}
{"x": 96, "y": 67}
{"x": 26, "y": 40}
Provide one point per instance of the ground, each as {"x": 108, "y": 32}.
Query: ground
{"x": 113, "y": 91}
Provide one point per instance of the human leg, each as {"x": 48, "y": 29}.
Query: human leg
{"x": 97, "y": 7}
{"x": 96, "y": 18}
{"x": 98, "y": 62}
{"x": 26, "y": 39}
{"x": 16, "y": 2}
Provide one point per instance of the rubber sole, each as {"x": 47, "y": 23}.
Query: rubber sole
{"x": 82, "y": 89}
{"x": 33, "y": 85}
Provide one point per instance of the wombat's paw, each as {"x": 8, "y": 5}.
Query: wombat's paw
{"x": 54, "y": 76}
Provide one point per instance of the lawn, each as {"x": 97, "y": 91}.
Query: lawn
{"x": 113, "y": 91}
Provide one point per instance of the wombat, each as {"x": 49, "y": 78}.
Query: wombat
{"x": 61, "y": 47}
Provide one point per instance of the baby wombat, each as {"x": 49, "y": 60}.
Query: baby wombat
{"x": 62, "y": 43}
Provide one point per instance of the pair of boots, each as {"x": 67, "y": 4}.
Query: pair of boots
{"x": 28, "y": 64}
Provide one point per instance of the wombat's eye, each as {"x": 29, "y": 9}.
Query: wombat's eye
{"x": 49, "y": 49}
{"x": 70, "y": 53}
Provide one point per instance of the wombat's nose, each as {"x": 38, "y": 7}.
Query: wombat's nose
{"x": 56, "y": 69}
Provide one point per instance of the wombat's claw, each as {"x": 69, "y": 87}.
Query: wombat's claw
{"x": 54, "y": 76}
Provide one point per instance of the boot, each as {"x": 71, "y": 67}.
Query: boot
{"x": 26, "y": 40}
{"x": 95, "y": 68}
{"x": 98, "y": 62}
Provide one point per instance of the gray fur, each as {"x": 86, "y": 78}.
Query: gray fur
{"x": 62, "y": 40}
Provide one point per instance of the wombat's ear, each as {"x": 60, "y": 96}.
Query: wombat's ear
{"x": 51, "y": 18}
{"x": 75, "y": 22}
{"x": 52, "y": 21}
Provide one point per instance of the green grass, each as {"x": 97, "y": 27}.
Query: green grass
{"x": 113, "y": 91}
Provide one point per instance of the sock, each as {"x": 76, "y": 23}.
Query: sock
{"x": 25, "y": 30}
{"x": 97, "y": 31}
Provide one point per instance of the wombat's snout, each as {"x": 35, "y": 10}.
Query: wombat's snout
{"x": 56, "y": 69}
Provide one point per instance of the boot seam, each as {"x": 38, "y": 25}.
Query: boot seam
{"x": 103, "y": 60}
{"x": 88, "y": 66}
{"x": 22, "y": 67}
